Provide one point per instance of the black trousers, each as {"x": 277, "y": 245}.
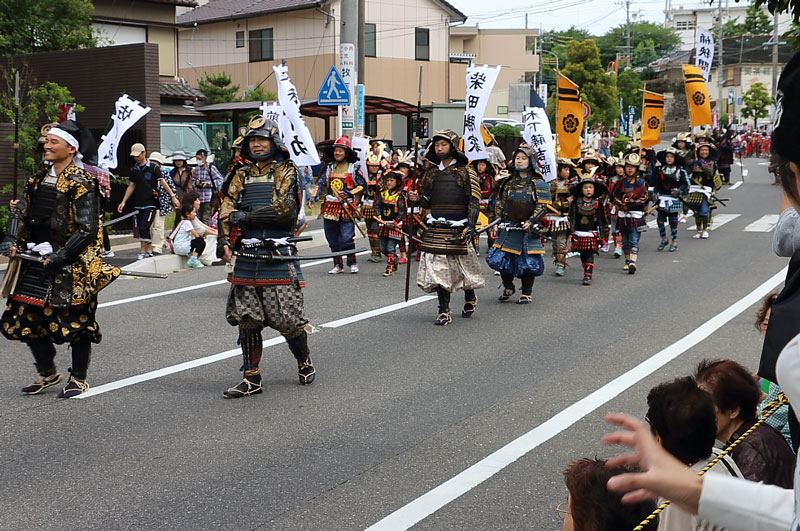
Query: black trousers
{"x": 197, "y": 245}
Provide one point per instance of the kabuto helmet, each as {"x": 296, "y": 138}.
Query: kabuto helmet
{"x": 344, "y": 143}
{"x": 450, "y": 136}
{"x": 260, "y": 126}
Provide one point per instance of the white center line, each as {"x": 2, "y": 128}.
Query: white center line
{"x": 185, "y": 366}
{"x": 200, "y": 286}
{"x": 435, "y": 499}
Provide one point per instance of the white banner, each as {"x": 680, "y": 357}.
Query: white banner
{"x": 296, "y": 136}
{"x": 360, "y": 145}
{"x": 127, "y": 113}
{"x": 480, "y": 81}
{"x": 704, "y": 52}
{"x": 538, "y": 136}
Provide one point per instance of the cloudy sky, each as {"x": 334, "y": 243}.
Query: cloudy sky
{"x": 597, "y": 16}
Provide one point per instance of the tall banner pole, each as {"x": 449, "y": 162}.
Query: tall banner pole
{"x": 415, "y": 176}
{"x": 16, "y": 134}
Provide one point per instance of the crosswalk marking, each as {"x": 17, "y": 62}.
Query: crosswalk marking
{"x": 717, "y": 221}
{"x": 736, "y": 185}
{"x": 763, "y": 224}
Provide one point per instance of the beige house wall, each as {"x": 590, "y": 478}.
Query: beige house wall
{"x": 505, "y": 47}
{"x": 134, "y": 11}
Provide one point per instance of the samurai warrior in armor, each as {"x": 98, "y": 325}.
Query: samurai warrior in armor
{"x": 451, "y": 193}
{"x": 670, "y": 183}
{"x": 704, "y": 181}
{"x": 376, "y": 165}
{"x": 53, "y": 301}
{"x": 588, "y": 220}
{"x": 262, "y": 200}
{"x": 630, "y": 199}
{"x": 342, "y": 184}
{"x": 391, "y": 211}
{"x": 485, "y": 172}
{"x": 558, "y": 215}
{"x": 517, "y": 250}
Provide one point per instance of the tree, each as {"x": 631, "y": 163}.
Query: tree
{"x": 259, "y": 94}
{"x": 756, "y": 103}
{"x": 756, "y": 22}
{"x": 791, "y": 7}
{"x": 664, "y": 40}
{"x": 38, "y": 106}
{"x": 217, "y": 88}
{"x": 629, "y": 86}
{"x": 597, "y": 88}
{"x": 793, "y": 36}
{"x": 30, "y": 26}
{"x": 556, "y": 42}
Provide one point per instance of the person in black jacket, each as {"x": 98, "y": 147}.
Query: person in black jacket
{"x": 143, "y": 187}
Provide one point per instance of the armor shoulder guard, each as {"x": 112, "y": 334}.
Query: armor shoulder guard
{"x": 75, "y": 181}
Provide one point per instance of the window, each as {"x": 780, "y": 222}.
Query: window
{"x": 371, "y": 125}
{"x": 529, "y": 77}
{"x": 240, "y": 39}
{"x": 261, "y": 45}
{"x": 422, "y": 44}
{"x": 747, "y": 70}
{"x": 502, "y": 109}
{"x": 369, "y": 40}
{"x": 530, "y": 43}
{"x": 683, "y": 25}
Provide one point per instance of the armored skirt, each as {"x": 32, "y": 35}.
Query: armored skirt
{"x": 450, "y": 272}
{"x": 24, "y": 322}
{"x": 517, "y": 253}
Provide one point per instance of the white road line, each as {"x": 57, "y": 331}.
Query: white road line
{"x": 433, "y": 500}
{"x": 763, "y": 224}
{"x": 718, "y": 221}
{"x": 736, "y": 185}
{"x": 185, "y": 366}
{"x": 745, "y": 172}
{"x": 201, "y": 286}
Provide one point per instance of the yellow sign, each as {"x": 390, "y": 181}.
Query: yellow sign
{"x": 569, "y": 121}
{"x": 696, "y": 96}
{"x": 652, "y": 116}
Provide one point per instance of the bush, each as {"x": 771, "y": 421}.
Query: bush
{"x": 506, "y": 130}
{"x": 620, "y": 144}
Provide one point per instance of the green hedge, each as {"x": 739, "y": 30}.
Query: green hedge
{"x": 620, "y": 144}
{"x": 505, "y": 130}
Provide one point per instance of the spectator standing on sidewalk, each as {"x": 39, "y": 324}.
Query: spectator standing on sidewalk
{"x": 207, "y": 181}
{"x": 143, "y": 186}
{"x": 167, "y": 202}
{"x": 181, "y": 175}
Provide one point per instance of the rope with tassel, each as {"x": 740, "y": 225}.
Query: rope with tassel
{"x": 766, "y": 412}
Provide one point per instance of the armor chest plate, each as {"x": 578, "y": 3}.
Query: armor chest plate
{"x": 44, "y": 202}
{"x": 448, "y": 199}
{"x": 389, "y": 206}
{"x": 520, "y": 201}
{"x": 339, "y": 181}
{"x": 257, "y": 192}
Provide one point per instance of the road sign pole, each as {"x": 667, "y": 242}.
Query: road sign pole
{"x": 339, "y": 122}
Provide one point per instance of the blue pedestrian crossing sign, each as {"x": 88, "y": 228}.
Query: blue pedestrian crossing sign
{"x": 333, "y": 90}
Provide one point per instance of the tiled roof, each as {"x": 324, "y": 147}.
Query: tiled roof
{"x": 180, "y": 90}
{"x": 182, "y": 3}
{"x": 219, "y": 10}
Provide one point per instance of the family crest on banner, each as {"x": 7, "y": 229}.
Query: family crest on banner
{"x": 569, "y": 117}
{"x": 127, "y": 112}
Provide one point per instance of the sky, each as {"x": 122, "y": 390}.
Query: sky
{"x": 596, "y": 16}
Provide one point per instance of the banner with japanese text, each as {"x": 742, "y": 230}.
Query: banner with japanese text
{"x": 127, "y": 112}
{"x": 360, "y": 145}
{"x": 704, "y": 52}
{"x": 538, "y": 136}
{"x": 480, "y": 81}
{"x": 569, "y": 118}
{"x": 696, "y": 96}
{"x": 297, "y": 138}
{"x": 652, "y": 118}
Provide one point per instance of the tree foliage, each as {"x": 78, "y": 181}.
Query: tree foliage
{"x": 217, "y": 88}
{"x": 38, "y": 105}
{"x": 756, "y": 102}
{"x": 629, "y": 86}
{"x": 756, "y": 22}
{"x": 259, "y": 94}
{"x": 597, "y": 88}
{"x": 648, "y": 42}
{"x": 30, "y": 26}
{"x": 792, "y": 37}
{"x": 556, "y": 42}
{"x": 791, "y": 7}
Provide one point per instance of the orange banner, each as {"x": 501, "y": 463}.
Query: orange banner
{"x": 697, "y": 95}
{"x": 652, "y": 117}
{"x": 569, "y": 121}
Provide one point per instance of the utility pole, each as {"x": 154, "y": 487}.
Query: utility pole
{"x": 361, "y": 45}
{"x": 720, "y": 58}
{"x": 775, "y": 39}
{"x": 628, "y": 28}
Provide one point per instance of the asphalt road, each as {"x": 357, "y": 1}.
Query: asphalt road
{"x": 399, "y": 406}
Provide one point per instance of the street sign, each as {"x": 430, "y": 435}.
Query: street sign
{"x": 347, "y": 62}
{"x": 543, "y": 92}
{"x": 587, "y": 111}
{"x": 333, "y": 91}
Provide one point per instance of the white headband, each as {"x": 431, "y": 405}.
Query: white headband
{"x": 64, "y": 135}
